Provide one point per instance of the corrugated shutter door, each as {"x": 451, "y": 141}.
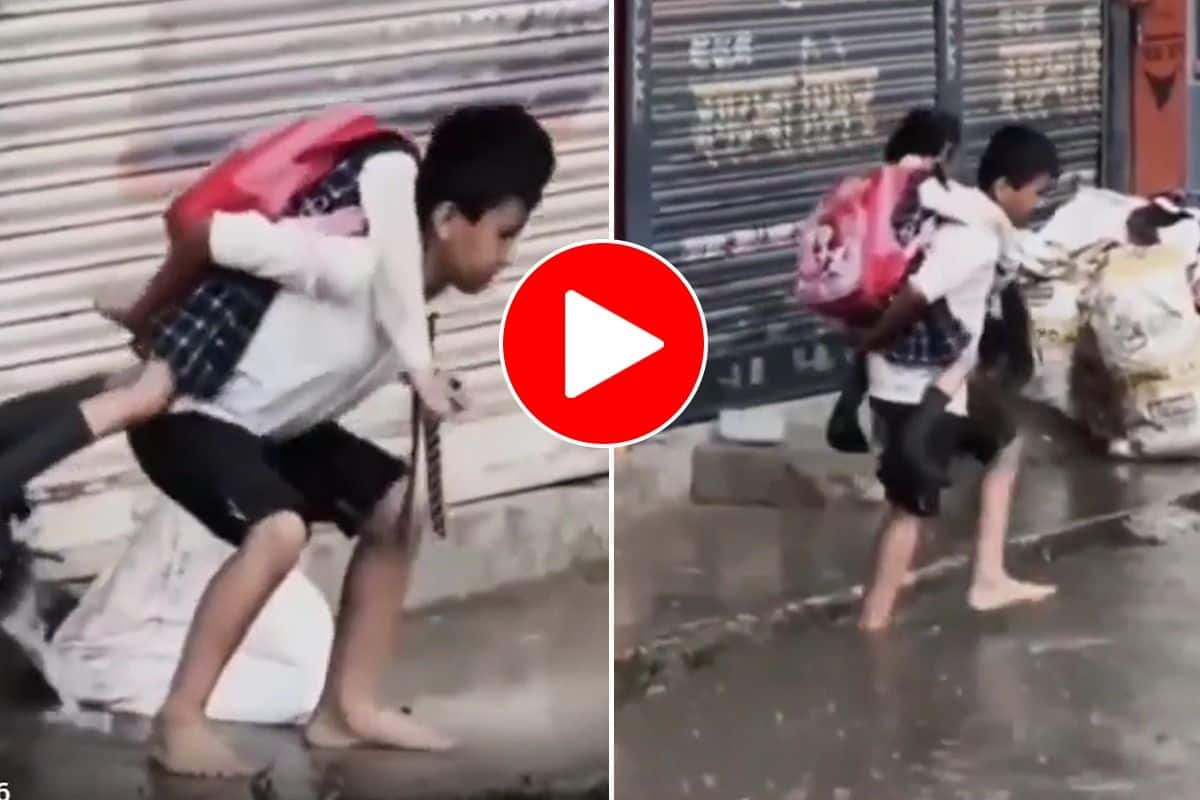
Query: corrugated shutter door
{"x": 108, "y": 107}
{"x": 756, "y": 108}
{"x": 1039, "y": 63}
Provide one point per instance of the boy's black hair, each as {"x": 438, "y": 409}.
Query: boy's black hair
{"x": 923, "y": 132}
{"x": 1019, "y": 154}
{"x": 480, "y": 156}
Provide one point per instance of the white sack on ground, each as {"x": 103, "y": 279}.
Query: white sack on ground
{"x": 1147, "y": 331}
{"x": 119, "y": 647}
{"x": 1117, "y": 333}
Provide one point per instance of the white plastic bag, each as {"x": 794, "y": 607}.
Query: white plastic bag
{"x": 120, "y": 646}
{"x": 1141, "y": 310}
{"x": 1091, "y": 216}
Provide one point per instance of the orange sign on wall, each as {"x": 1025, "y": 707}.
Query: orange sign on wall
{"x": 1160, "y": 96}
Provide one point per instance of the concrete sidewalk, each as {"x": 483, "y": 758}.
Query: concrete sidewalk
{"x": 687, "y": 574}
{"x": 520, "y": 677}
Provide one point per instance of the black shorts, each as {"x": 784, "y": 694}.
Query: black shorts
{"x": 982, "y": 435}
{"x": 230, "y": 479}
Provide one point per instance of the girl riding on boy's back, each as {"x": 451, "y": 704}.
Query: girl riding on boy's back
{"x": 890, "y": 226}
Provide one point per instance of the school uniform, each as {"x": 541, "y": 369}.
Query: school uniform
{"x": 296, "y": 330}
{"x": 958, "y": 274}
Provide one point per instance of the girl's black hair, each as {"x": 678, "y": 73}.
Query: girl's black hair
{"x": 923, "y": 132}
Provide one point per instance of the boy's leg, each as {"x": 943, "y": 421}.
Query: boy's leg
{"x": 894, "y": 550}
{"x": 911, "y": 499}
{"x": 991, "y": 585}
{"x": 350, "y": 712}
{"x": 183, "y": 742}
{"x": 359, "y": 486}
{"x": 220, "y": 474}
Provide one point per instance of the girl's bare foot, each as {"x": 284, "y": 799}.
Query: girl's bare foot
{"x": 329, "y": 729}
{"x": 189, "y": 747}
{"x": 990, "y": 595}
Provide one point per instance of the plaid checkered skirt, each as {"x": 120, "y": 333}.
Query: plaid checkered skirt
{"x": 203, "y": 339}
{"x": 937, "y": 339}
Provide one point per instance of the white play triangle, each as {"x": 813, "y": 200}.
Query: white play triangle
{"x": 600, "y": 344}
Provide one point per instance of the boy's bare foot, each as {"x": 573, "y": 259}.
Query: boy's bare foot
{"x": 873, "y": 624}
{"x": 375, "y": 727}
{"x": 993, "y": 595}
{"x": 189, "y": 747}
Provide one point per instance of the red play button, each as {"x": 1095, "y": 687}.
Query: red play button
{"x": 603, "y": 343}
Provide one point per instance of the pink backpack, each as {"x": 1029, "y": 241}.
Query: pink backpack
{"x": 858, "y": 245}
{"x": 264, "y": 170}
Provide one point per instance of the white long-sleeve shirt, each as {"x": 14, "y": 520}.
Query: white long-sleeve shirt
{"x": 387, "y": 187}
{"x": 349, "y": 318}
{"x": 959, "y": 267}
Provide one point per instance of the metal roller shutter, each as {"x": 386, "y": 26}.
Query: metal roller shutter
{"x": 1038, "y": 62}
{"x": 738, "y": 115}
{"x": 108, "y": 107}
{"x": 754, "y": 109}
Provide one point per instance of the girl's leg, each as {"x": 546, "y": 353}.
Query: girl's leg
{"x": 19, "y": 415}
{"x": 843, "y": 432}
{"x": 63, "y": 428}
{"x": 933, "y": 405}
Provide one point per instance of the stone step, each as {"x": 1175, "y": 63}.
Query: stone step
{"x": 788, "y": 475}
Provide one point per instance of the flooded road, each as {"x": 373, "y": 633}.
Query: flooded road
{"x": 1091, "y": 694}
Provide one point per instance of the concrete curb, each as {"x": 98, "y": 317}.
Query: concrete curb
{"x": 648, "y": 669}
{"x": 592, "y": 786}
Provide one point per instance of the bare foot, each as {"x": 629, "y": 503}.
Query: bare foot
{"x": 191, "y": 748}
{"x": 993, "y": 595}
{"x": 374, "y": 728}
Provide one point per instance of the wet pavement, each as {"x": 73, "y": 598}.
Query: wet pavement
{"x": 678, "y": 564}
{"x": 1091, "y": 694}
{"x": 520, "y": 678}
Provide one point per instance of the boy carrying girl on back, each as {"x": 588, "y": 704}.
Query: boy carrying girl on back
{"x": 295, "y": 328}
{"x": 928, "y": 139}
{"x": 369, "y": 191}
{"x": 917, "y": 418}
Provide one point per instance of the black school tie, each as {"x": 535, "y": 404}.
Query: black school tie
{"x": 430, "y": 430}
{"x": 433, "y": 463}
